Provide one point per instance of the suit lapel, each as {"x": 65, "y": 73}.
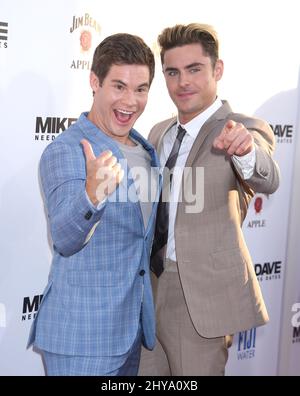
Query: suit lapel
{"x": 155, "y": 169}
{"x": 172, "y": 122}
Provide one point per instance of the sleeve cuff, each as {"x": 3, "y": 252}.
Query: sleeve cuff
{"x": 100, "y": 204}
{"x": 245, "y": 164}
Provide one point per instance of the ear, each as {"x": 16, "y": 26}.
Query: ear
{"x": 94, "y": 81}
{"x": 219, "y": 68}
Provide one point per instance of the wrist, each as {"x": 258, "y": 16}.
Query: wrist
{"x": 92, "y": 196}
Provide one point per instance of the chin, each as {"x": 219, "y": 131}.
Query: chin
{"x": 122, "y": 132}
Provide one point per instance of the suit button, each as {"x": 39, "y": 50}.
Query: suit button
{"x": 142, "y": 272}
{"x": 88, "y": 215}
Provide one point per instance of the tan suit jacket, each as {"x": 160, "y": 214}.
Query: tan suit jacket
{"x": 216, "y": 271}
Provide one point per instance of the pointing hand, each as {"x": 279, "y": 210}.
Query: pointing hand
{"x": 235, "y": 139}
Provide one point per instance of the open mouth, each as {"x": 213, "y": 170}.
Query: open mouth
{"x": 123, "y": 116}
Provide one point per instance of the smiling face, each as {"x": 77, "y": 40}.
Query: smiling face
{"x": 191, "y": 79}
{"x": 120, "y": 99}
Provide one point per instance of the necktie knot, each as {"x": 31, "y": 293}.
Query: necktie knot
{"x": 180, "y": 133}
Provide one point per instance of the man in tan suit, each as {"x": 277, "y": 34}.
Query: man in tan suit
{"x": 204, "y": 283}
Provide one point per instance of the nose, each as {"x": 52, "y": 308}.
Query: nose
{"x": 183, "y": 80}
{"x": 129, "y": 98}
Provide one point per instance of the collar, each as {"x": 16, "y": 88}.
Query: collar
{"x": 193, "y": 127}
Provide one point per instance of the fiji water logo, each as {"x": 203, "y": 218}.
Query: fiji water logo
{"x": 246, "y": 344}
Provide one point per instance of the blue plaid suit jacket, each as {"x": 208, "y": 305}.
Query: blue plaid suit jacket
{"x": 97, "y": 290}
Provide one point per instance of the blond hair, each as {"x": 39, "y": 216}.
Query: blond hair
{"x": 192, "y": 33}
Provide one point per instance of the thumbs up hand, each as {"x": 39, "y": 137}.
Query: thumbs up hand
{"x": 235, "y": 139}
{"x": 103, "y": 173}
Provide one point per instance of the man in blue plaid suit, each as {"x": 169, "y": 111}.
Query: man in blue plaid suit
{"x": 97, "y": 308}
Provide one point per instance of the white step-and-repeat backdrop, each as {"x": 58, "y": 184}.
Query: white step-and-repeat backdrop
{"x": 46, "y": 49}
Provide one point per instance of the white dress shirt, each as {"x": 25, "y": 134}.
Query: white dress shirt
{"x": 245, "y": 165}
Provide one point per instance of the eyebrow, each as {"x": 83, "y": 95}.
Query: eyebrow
{"x": 125, "y": 85}
{"x": 119, "y": 82}
{"x": 195, "y": 64}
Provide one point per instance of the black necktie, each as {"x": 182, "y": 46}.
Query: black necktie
{"x": 162, "y": 220}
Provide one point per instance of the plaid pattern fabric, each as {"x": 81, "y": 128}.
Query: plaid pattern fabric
{"x": 66, "y": 365}
{"x": 93, "y": 301}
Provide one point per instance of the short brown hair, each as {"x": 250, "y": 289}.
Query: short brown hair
{"x": 121, "y": 49}
{"x": 192, "y": 33}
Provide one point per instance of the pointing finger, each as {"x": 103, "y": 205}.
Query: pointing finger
{"x": 226, "y": 129}
{"x": 229, "y": 125}
{"x": 218, "y": 143}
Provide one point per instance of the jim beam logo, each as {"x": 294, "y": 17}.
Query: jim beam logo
{"x": 48, "y": 128}
{"x": 85, "y": 28}
{"x": 3, "y": 34}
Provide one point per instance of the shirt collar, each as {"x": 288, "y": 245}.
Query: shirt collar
{"x": 193, "y": 127}
{"x": 92, "y": 132}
